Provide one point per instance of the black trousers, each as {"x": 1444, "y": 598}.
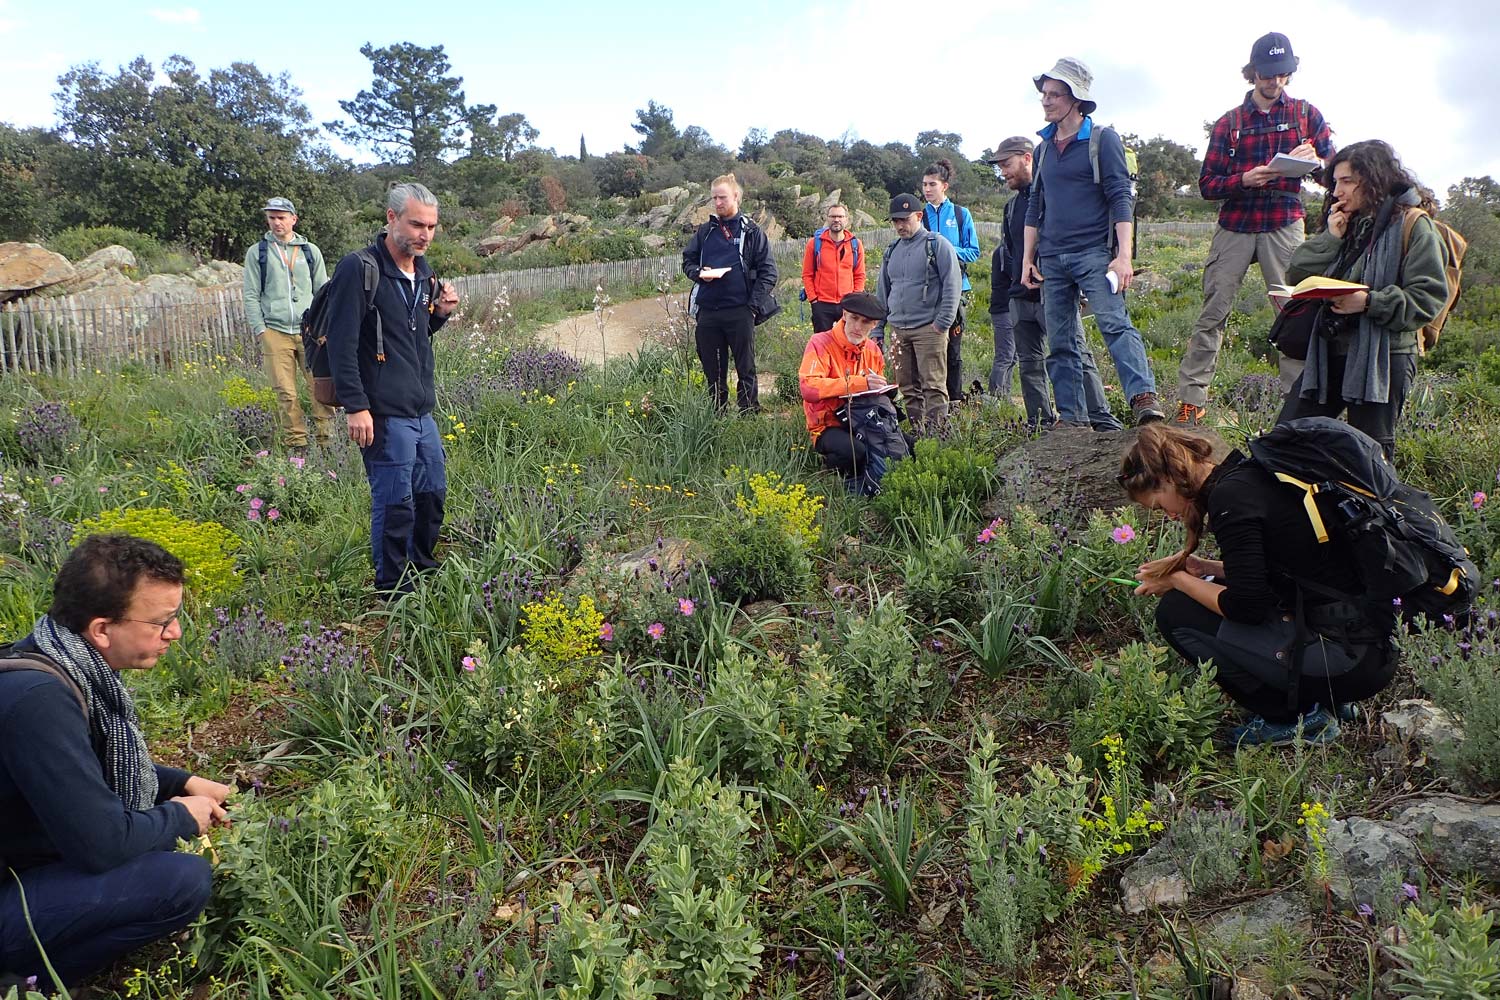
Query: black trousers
{"x": 720, "y": 335}
{"x": 824, "y": 315}
{"x": 1376, "y": 419}
{"x": 1260, "y": 684}
{"x": 955, "y": 361}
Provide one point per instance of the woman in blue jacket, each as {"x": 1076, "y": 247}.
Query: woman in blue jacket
{"x": 956, "y": 225}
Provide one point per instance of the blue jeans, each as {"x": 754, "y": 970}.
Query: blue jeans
{"x": 1030, "y": 332}
{"x": 86, "y": 922}
{"x": 1065, "y": 275}
{"x": 408, "y": 490}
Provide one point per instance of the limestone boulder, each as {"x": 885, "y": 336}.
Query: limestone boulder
{"x": 663, "y": 559}
{"x": 657, "y": 218}
{"x": 25, "y": 267}
{"x": 864, "y": 222}
{"x": 216, "y": 274}
{"x": 1153, "y": 880}
{"x": 654, "y": 242}
{"x": 808, "y": 201}
{"x": 500, "y": 226}
{"x": 672, "y": 195}
{"x": 113, "y": 257}
{"x": 1362, "y": 852}
{"x": 1254, "y": 921}
{"x": 1455, "y": 835}
{"x": 694, "y": 214}
{"x": 774, "y": 230}
{"x": 831, "y": 199}
{"x": 1420, "y": 721}
{"x": 1068, "y": 470}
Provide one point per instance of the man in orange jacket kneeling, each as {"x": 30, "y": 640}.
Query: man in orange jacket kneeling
{"x": 850, "y": 414}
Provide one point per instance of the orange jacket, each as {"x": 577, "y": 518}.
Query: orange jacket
{"x": 837, "y": 274}
{"x": 833, "y": 367}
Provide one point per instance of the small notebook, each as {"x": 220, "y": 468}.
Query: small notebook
{"x": 1292, "y": 166}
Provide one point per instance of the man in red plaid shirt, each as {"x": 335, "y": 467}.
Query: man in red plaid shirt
{"x": 1261, "y": 218}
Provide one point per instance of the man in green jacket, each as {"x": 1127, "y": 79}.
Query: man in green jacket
{"x": 282, "y": 271}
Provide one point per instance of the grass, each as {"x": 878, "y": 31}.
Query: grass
{"x": 416, "y": 788}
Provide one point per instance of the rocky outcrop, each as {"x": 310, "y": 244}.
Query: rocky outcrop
{"x": 548, "y": 227}
{"x": 1456, "y": 835}
{"x": 26, "y": 267}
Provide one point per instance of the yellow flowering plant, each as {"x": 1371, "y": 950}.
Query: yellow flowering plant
{"x": 206, "y": 548}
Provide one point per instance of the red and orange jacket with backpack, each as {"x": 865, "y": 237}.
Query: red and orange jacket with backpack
{"x": 832, "y": 270}
{"x": 833, "y": 367}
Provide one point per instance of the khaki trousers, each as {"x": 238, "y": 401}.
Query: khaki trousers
{"x": 1229, "y": 258}
{"x": 920, "y": 360}
{"x": 282, "y": 354}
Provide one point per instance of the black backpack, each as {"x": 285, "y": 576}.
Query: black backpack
{"x": 1408, "y": 558}
{"x": 873, "y": 421}
{"x": 315, "y": 322}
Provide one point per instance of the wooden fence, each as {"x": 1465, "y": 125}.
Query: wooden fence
{"x": 66, "y": 336}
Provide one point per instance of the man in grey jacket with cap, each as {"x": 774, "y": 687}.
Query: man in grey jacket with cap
{"x": 919, "y": 287}
{"x": 282, "y": 271}
{"x": 1078, "y": 238}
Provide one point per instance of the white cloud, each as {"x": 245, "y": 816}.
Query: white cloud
{"x": 177, "y": 15}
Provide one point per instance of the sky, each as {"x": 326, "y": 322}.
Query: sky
{"x": 879, "y": 70}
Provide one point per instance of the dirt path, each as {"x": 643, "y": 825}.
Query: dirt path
{"x": 627, "y": 326}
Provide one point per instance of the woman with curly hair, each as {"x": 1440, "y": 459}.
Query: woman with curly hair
{"x": 1362, "y": 356}
{"x": 1239, "y": 612}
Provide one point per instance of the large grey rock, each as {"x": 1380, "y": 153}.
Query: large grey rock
{"x": 831, "y": 199}
{"x": 1067, "y": 472}
{"x": 1418, "y": 720}
{"x": 1153, "y": 880}
{"x": 1455, "y": 835}
{"x": 694, "y": 214}
{"x": 25, "y": 267}
{"x": 501, "y": 226}
{"x": 113, "y": 257}
{"x": 808, "y": 201}
{"x": 672, "y": 195}
{"x": 216, "y": 273}
{"x": 926, "y": 985}
{"x": 650, "y": 563}
{"x": 1255, "y": 920}
{"x": 1361, "y": 854}
{"x": 774, "y": 230}
{"x": 657, "y": 218}
{"x": 864, "y": 222}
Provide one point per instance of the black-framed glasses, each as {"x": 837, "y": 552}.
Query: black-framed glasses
{"x": 163, "y": 625}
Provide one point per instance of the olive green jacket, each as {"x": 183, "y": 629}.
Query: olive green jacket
{"x": 1402, "y": 309}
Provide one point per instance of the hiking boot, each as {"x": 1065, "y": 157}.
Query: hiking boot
{"x": 1189, "y": 415}
{"x": 1146, "y": 408}
{"x": 1317, "y": 726}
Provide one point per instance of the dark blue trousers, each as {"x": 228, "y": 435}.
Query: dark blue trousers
{"x": 408, "y": 490}
{"x": 86, "y": 922}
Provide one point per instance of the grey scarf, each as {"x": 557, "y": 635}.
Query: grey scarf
{"x": 113, "y": 721}
{"x": 1367, "y": 368}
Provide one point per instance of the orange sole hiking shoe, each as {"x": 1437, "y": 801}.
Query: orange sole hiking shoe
{"x": 1190, "y": 415}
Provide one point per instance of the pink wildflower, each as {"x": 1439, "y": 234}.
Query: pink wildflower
{"x": 685, "y": 606}
{"x": 1479, "y": 499}
{"x": 281, "y": 480}
{"x": 1123, "y": 535}
{"x": 986, "y": 536}
{"x": 256, "y": 503}
{"x": 607, "y": 632}
{"x": 298, "y": 461}
{"x": 470, "y": 664}
{"x": 253, "y": 514}
{"x": 104, "y": 489}
{"x": 273, "y": 514}
{"x": 262, "y": 453}
{"x": 57, "y": 480}
{"x": 242, "y": 488}
{"x": 656, "y": 630}
{"x": 332, "y": 474}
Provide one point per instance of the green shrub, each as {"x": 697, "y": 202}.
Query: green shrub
{"x": 938, "y": 482}
{"x": 887, "y": 679}
{"x": 1448, "y": 953}
{"x": 760, "y": 560}
{"x": 1163, "y": 717}
{"x": 450, "y": 259}
{"x": 771, "y": 714}
{"x": 80, "y": 241}
{"x": 940, "y": 579}
{"x": 1460, "y": 669}
{"x": 206, "y": 548}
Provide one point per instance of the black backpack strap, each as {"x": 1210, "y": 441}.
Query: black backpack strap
{"x": 12, "y": 659}
{"x": 262, "y": 256}
{"x": 371, "y": 269}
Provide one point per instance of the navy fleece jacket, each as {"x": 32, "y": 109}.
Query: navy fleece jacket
{"x": 402, "y": 385}
{"x": 1070, "y": 211}
{"x": 53, "y": 797}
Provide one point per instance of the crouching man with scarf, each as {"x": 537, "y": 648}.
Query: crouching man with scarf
{"x": 88, "y": 865}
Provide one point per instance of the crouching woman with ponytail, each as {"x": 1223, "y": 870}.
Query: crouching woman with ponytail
{"x": 1241, "y": 613}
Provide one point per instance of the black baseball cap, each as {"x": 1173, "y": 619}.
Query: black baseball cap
{"x": 863, "y": 304}
{"x": 903, "y": 205}
{"x": 1272, "y": 55}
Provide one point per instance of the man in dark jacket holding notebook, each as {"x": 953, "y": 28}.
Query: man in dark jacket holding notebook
{"x": 91, "y": 823}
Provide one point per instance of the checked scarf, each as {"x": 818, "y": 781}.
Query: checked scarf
{"x": 113, "y": 721}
